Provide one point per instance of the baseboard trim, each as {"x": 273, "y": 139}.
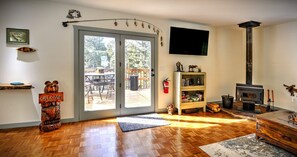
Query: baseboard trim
{"x": 30, "y": 124}
{"x": 19, "y": 125}
{"x": 68, "y": 120}
{"x": 161, "y": 110}
{"x": 36, "y": 123}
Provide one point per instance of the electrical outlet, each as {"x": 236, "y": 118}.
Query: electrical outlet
{"x": 293, "y": 99}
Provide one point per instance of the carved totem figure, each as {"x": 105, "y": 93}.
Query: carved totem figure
{"x": 50, "y": 102}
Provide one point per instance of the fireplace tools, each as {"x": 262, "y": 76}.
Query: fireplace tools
{"x": 270, "y": 101}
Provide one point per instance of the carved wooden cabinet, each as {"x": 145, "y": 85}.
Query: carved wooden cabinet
{"x": 189, "y": 90}
{"x": 274, "y": 128}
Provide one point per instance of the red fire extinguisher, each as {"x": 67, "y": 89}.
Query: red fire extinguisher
{"x": 166, "y": 86}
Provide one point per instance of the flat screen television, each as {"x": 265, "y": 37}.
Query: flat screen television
{"x": 186, "y": 41}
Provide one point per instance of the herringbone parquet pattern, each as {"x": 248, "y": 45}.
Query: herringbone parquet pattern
{"x": 104, "y": 137}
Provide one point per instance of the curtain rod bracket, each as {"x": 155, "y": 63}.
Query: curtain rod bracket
{"x": 65, "y": 24}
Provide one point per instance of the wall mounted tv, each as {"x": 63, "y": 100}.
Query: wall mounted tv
{"x": 186, "y": 41}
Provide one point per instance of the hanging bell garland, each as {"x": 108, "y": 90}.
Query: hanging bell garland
{"x": 127, "y": 24}
{"x": 115, "y": 23}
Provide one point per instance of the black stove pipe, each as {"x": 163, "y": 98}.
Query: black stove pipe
{"x": 249, "y": 48}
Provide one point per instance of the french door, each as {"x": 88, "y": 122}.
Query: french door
{"x": 116, "y": 73}
{"x": 138, "y": 72}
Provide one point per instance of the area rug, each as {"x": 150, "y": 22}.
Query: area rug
{"x": 139, "y": 122}
{"x": 244, "y": 146}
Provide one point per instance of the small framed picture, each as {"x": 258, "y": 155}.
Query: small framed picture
{"x": 17, "y": 36}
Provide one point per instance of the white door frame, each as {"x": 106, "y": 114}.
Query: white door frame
{"x": 79, "y": 75}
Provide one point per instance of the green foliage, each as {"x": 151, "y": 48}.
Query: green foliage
{"x": 138, "y": 54}
{"x": 100, "y": 52}
{"x": 96, "y": 49}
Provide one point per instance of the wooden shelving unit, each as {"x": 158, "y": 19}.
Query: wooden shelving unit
{"x": 7, "y": 86}
{"x": 189, "y": 90}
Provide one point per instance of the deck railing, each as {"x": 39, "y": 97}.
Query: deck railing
{"x": 143, "y": 77}
{"x": 142, "y": 74}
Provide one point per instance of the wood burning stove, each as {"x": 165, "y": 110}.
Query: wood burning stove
{"x": 248, "y": 93}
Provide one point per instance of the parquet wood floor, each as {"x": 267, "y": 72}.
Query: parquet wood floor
{"x": 104, "y": 138}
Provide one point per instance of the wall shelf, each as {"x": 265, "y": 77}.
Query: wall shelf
{"x": 7, "y": 86}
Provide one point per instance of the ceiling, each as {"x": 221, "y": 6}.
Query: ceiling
{"x": 210, "y": 12}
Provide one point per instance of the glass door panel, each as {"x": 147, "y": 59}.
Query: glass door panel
{"x": 98, "y": 70}
{"x": 138, "y": 73}
{"x": 99, "y": 73}
{"x": 137, "y": 94}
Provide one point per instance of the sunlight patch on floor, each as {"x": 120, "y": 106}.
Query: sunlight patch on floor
{"x": 201, "y": 119}
{"x": 191, "y": 125}
{"x": 183, "y": 121}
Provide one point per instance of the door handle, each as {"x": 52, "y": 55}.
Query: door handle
{"x": 152, "y": 72}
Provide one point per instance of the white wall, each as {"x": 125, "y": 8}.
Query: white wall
{"x": 225, "y": 63}
{"x": 274, "y": 60}
{"x": 277, "y": 63}
{"x": 167, "y": 63}
{"x": 54, "y": 58}
{"x": 230, "y": 59}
